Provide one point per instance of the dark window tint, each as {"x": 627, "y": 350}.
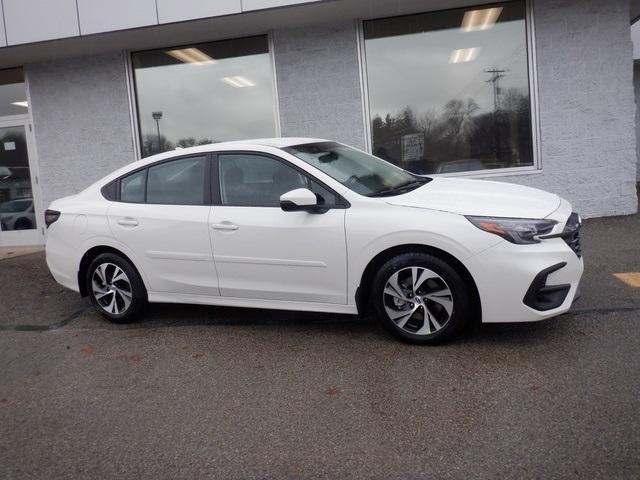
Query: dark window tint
{"x": 179, "y": 182}
{"x": 109, "y": 191}
{"x": 16, "y": 206}
{"x": 254, "y": 180}
{"x": 325, "y": 197}
{"x": 132, "y": 187}
{"x": 204, "y": 93}
{"x": 449, "y": 90}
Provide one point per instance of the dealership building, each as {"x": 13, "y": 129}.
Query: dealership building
{"x": 535, "y": 92}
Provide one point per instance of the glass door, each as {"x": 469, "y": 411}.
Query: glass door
{"x": 20, "y": 213}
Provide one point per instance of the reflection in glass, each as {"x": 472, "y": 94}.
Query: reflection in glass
{"x": 13, "y": 94}
{"x": 449, "y": 90}
{"x": 180, "y": 182}
{"x": 255, "y": 180}
{"x": 204, "y": 93}
{"x": 132, "y": 187}
{"x": 16, "y": 202}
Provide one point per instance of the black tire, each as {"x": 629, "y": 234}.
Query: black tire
{"x": 457, "y": 314}
{"x": 137, "y": 291}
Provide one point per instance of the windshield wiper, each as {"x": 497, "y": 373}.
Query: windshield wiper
{"x": 402, "y": 188}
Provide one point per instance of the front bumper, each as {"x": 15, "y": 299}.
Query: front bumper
{"x": 526, "y": 283}
{"x": 542, "y": 296}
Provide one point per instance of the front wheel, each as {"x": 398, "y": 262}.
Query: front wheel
{"x": 421, "y": 298}
{"x": 115, "y": 288}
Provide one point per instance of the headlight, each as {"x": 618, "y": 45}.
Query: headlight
{"x": 515, "y": 230}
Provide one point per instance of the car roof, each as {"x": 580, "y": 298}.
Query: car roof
{"x": 253, "y": 144}
{"x": 278, "y": 142}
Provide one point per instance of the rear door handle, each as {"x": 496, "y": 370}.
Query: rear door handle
{"x": 227, "y": 226}
{"x": 128, "y": 222}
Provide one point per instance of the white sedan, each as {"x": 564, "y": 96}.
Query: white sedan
{"x": 315, "y": 225}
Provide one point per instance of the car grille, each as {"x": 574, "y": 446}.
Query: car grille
{"x": 571, "y": 233}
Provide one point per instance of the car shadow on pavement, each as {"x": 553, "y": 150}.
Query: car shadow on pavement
{"x": 33, "y": 301}
{"x": 256, "y": 321}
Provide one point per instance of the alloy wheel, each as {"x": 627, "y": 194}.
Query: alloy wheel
{"x": 418, "y": 300}
{"x": 111, "y": 288}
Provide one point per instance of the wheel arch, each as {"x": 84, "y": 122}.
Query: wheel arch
{"x": 362, "y": 293}
{"x": 88, "y": 257}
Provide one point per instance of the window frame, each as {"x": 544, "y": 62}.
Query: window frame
{"x": 213, "y": 197}
{"x": 536, "y": 168}
{"x": 109, "y": 194}
{"x": 132, "y": 91}
{"x": 341, "y": 202}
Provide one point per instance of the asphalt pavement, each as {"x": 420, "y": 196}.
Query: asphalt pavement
{"x": 209, "y": 392}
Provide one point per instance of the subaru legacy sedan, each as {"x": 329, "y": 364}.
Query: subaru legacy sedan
{"x": 315, "y": 225}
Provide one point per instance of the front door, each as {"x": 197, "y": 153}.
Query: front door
{"x": 263, "y": 252}
{"x": 20, "y": 215}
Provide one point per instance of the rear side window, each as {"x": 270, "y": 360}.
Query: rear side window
{"x": 180, "y": 182}
{"x": 132, "y": 187}
{"x": 110, "y": 191}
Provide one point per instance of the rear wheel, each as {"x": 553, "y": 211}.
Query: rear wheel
{"x": 421, "y": 299}
{"x": 115, "y": 288}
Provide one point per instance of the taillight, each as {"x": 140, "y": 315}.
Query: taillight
{"x": 51, "y": 216}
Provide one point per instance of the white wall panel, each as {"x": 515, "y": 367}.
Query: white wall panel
{"x": 261, "y": 4}
{"x": 179, "y": 10}
{"x": 104, "y": 16}
{"x": 37, "y": 20}
{"x": 3, "y": 34}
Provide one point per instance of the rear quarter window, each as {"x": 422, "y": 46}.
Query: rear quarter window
{"x": 132, "y": 187}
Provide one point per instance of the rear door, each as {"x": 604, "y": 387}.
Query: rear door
{"x": 162, "y": 216}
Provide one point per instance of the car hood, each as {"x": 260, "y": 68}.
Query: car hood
{"x": 480, "y": 197}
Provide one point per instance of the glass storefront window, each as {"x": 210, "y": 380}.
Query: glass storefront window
{"x": 13, "y": 92}
{"x": 16, "y": 197}
{"x": 449, "y": 90}
{"x": 204, "y": 93}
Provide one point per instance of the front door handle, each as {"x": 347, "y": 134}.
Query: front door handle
{"x": 226, "y": 226}
{"x": 128, "y": 222}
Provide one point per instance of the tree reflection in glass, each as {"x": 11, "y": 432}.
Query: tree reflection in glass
{"x": 449, "y": 90}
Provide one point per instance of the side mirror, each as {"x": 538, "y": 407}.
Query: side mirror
{"x": 299, "y": 200}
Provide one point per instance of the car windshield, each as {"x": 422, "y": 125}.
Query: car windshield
{"x": 363, "y": 173}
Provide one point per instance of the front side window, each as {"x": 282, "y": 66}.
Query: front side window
{"x": 204, "y": 93}
{"x": 256, "y": 180}
{"x": 449, "y": 90}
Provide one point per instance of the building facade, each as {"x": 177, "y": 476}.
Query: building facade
{"x": 535, "y": 92}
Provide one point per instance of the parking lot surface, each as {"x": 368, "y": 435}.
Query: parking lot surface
{"x": 205, "y": 392}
